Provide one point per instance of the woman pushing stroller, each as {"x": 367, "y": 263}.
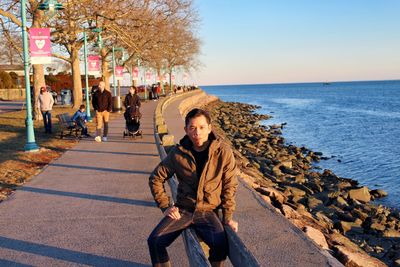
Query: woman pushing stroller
{"x": 132, "y": 114}
{"x": 132, "y": 99}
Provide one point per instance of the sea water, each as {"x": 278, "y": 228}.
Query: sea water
{"x": 355, "y": 124}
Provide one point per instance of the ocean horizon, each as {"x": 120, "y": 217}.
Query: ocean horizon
{"x": 353, "y": 123}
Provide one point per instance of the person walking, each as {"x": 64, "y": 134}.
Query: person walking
{"x": 132, "y": 99}
{"x": 45, "y": 104}
{"x": 206, "y": 171}
{"x": 102, "y": 104}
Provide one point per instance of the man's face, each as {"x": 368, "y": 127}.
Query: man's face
{"x": 102, "y": 85}
{"x": 198, "y": 130}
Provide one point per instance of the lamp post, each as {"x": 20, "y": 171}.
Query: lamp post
{"x": 30, "y": 145}
{"x": 85, "y": 54}
{"x": 50, "y": 5}
{"x": 113, "y": 66}
{"x": 116, "y": 98}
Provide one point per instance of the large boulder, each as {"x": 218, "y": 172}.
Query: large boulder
{"x": 361, "y": 194}
{"x": 317, "y": 236}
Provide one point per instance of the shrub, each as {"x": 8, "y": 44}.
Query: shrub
{"x": 14, "y": 78}
{"x": 5, "y": 80}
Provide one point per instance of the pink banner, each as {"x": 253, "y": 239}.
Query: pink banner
{"x": 135, "y": 73}
{"x": 119, "y": 73}
{"x": 40, "y": 45}
{"x": 94, "y": 65}
{"x": 172, "y": 77}
{"x": 148, "y": 76}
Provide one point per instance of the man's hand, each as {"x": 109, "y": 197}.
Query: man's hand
{"x": 233, "y": 224}
{"x": 173, "y": 212}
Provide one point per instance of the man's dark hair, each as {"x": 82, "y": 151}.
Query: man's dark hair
{"x": 82, "y": 106}
{"x": 194, "y": 113}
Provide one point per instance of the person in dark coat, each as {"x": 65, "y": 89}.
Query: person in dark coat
{"x": 132, "y": 98}
{"x": 102, "y": 104}
{"x": 132, "y": 103}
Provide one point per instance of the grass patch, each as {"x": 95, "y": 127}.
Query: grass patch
{"x": 17, "y": 166}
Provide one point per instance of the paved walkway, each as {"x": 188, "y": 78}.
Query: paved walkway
{"x": 272, "y": 239}
{"x": 90, "y": 207}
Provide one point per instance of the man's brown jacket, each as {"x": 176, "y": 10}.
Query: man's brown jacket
{"x": 217, "y": 184}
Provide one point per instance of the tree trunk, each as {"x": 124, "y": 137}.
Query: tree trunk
{"x": 104, "y": 69}
{"x": 76, "y": 78}
{"x": 38, "y": 81}
{"x": 38, "y": 72}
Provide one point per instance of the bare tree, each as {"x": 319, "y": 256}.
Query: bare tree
{"x": 10, "y": 11}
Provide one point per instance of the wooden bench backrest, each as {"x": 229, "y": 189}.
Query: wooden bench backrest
{"x": 64, "y": 119}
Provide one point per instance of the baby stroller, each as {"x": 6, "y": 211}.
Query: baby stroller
{"x": 132, "y": 118}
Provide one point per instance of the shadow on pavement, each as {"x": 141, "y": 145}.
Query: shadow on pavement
{"x": 98, "y": 168}
{"x": 89, "y": 196}
{"x": 114, "y": 153}
{"x": 63, "y": 254}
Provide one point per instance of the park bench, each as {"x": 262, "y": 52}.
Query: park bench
{"x": 67, "y": 126}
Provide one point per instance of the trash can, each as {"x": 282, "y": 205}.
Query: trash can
{"x": 66, "y": 97}
{"x": 117, "y": 105}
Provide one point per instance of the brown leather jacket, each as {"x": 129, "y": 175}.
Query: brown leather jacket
{"x": 216, "y": 186}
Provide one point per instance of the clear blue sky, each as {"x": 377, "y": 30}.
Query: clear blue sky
{"x": 279, "y": 41}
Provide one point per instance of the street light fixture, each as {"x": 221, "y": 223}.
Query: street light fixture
{"x": 30, "y": 145}
{"x": 51, "y": 6}
{"x": 85, "y": 54}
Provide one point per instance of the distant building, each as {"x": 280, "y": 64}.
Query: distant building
{"x": 64, "y": 81}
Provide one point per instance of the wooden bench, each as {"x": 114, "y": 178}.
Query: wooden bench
{"x": 67, "y": 126}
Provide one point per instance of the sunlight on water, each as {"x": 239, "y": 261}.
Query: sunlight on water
{"x": 295, "y": 102}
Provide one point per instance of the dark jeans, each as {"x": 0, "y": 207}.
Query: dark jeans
{"x": 207, "y": 226}
{"x": 47, "y": 120}
{"x": 81, "y": 124}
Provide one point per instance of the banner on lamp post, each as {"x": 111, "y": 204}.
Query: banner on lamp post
{"x": 94, "y": 65}
{"x": 135, "y": 73}
{"x": 40, "y": 45}
{"x": 119, "y": 73}
{"x": 148, "y": 76}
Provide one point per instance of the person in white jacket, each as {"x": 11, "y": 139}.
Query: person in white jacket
{"x": 45, "y": 104}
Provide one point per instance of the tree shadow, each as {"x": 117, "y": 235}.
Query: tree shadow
{"x": 88, "y": 196}
{"x": 68, "y": 255}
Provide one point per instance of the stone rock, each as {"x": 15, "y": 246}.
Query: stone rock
{"x": 341, "y": 202}
{"x": 300, "y": 178}
{"x": 296, "y": 191}
{"x": 377, "y": 226}
{"x": 378, "y": 193}
{"x": 168, "y": 140}
{"x": 359, "y": 214}
{"x": 356, "y": 258}
{"x": 344, "y": 226}
{"x": 361, "y": 194}
{"x": 274, "y": 194}
{"x": 391, "y": 233}
{"x": 316, "y": 236}
{"x": 162, "y": 129}
{"x": 289, "y": 212}
{"x": 313, "y": 202}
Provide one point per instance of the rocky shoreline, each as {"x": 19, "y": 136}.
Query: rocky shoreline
{"x": 337, "y": 213}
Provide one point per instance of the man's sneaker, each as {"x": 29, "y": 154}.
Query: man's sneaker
{"x": 104, "y": 139}
{"x": 97, "y": 139}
